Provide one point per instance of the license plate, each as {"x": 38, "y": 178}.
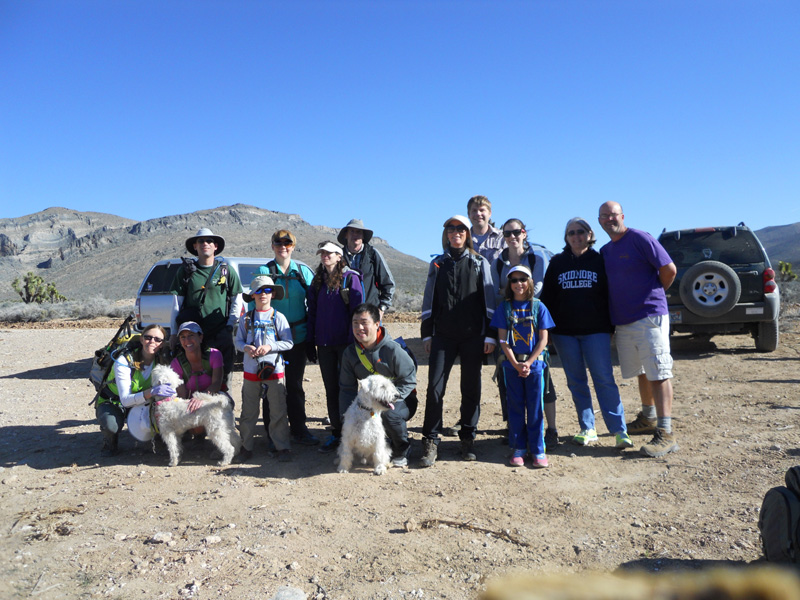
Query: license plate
{"x": 675, "y": 316}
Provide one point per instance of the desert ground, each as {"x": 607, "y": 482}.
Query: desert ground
{"x": 75, "y": 525}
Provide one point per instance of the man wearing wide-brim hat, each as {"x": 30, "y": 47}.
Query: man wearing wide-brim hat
{"x": 360, "y": 255}
{"x": 209, "y": 293}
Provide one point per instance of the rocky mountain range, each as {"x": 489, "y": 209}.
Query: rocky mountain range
{"x": 95, "y": 254}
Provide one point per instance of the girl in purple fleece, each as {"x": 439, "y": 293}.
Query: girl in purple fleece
{"x": 334, "y": 294}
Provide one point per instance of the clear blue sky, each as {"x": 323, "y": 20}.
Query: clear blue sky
{"x": 686, "y": 112}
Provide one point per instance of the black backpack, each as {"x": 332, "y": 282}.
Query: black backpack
{"x": 779, "y": 520}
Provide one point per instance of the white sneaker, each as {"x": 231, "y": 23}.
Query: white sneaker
{"x": 585, "y": 437}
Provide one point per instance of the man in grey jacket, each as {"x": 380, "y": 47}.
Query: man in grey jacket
{"x": 375, "y": 352}
{"x": 360, "y": 255}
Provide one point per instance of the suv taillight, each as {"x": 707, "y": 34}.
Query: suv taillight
{"x": 138, "y": 311}
{"x": 769, "y": 281}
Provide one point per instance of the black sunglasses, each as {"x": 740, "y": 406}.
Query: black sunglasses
{"x": 206, "y": 241}
{"x": 454, "y": 228}
{"x": 514, "y": 232}
{"x": 576, "y": 232}
{"x": 518, "y": 279}
{"x": 282, "y": 243}
{"x": 152, "y": 338}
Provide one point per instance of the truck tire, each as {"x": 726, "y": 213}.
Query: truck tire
{"x": 767, "y": 336}
{"x": 710, "y": 288}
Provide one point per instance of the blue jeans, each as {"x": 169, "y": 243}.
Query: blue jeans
{"x": 593, "y": 351}
{"x": 525, "y": 408}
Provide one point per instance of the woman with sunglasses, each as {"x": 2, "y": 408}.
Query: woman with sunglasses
{"x": 295, "y": 278}
{"x": 457, "y": 307}
{"x": 519, "y": 251}
{"x": 129, "y": 383}
{"x": 335, "y": 293}
{"x": 576, "y": 290}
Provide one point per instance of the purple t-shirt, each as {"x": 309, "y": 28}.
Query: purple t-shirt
{"x": 634, "y": 288}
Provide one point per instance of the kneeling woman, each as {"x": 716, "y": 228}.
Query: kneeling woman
{"x": 200, "y": 367}
{"x": 522, "y": 322}
{"x": 130, "y": 386}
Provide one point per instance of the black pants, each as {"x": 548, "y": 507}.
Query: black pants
{"x": 330, "y": 363}
{"x": 443, "y": 354}
{"x": 223, "y": 341}
{"x": 295, "y": 395}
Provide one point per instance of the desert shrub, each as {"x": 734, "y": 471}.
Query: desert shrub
{"x": 406, "y": 301}
{"x": 16, "y": 312}
{"x": 33, "y": 289}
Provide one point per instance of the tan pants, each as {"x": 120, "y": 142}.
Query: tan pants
{"x": 251, "y": 407}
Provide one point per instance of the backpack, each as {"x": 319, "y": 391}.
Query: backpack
{"x": 123, "y": 341}
{"x": 272, "y": 267}
{"x": 779, "y": 520}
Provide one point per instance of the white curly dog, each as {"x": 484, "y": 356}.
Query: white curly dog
{"x": 362, "y": 431}
{"x": 173, "y": 419}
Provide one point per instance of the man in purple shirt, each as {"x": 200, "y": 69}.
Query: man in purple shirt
{"x": 639, "y": 271}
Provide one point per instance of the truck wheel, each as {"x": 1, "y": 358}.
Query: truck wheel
{"x": 767, "y": 336}
{"x": 710, "y": 288}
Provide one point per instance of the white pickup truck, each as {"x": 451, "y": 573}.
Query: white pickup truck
{"x": 156, "y": 305}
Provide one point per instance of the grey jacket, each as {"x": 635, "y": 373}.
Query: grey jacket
{"x": 375, "y": 275}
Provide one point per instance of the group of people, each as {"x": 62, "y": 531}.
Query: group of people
{"x": 489, "y": 293}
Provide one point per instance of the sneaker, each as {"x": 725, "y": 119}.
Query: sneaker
{"x": 641, "y": 425}
{"x": 539, "y": 461}
{"x": 468, "y": 450}
{"x": 517, "y": 459}
{"x": 550, "y": 439}
{"x": 662, "y": 444}
{"x": 285, "y": 455}
{"x": 429, "y": 453}
{"x": 243, "y": 456}
{"x": 623, "y": 441}
{"x": 585, "y": 437}
{"x": 330, "y": 445}
{"x": 306, "y": 439}
{"x": 400, "y": 462}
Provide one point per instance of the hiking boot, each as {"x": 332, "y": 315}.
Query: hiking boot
{"x": 285, "y": 455}
{"x": 662, "y": 444}
{"x": 623, "y": 441}
{"x": 243, "y": 456}
{"x": 468, "y": 450}
{"x": 585, "y": 437}
{"x": 550, "y": 439}
{"x": 539, "y": 462}
{"x": 330, "y": 445}
{"x": 306, "y": 439}
{"x": 110, "y": 446}
{"x": 452, "y": 431}
{"x": 641, "y": 425}
{"x": 429, "y": 453}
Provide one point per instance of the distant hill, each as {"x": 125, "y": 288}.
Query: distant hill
{"x": 89, "y": 254}
{"x": 781, "y": 243}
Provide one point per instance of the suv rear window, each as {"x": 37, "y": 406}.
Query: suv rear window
{"x": 159, "y": 280}
{"x": 723, "y": 246}
{"x": 246, "y": 273}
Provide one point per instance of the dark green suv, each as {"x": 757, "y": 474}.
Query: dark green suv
{"x": 725, "y": 284}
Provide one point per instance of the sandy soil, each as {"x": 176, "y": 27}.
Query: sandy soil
{"x": 78, "y": 526}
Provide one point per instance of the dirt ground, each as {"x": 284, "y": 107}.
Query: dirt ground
{"x": 75, "y": 525}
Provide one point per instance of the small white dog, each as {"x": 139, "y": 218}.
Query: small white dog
{"x": 362, "y": 431}
{"x": 173, "y": 419}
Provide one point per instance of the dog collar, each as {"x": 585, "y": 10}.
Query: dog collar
{"x": 369, "y": 410}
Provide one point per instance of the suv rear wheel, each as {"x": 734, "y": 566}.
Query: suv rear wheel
{"x": 767, "y": 336}
{"x": 710, "y": 288}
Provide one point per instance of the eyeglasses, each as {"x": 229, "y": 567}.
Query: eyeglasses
{"x": 607, "y": 216}
{"x": 206, "y": 241}
{"x": 152, "y": 338}
{"x": 455, "y": 228}
{"x": 263, "y": 290}
{"x": 514, "y": 232}
{"x": 576, "y": 232}
{"x": 518, "y": 279}
{"x": 287, "y": 243}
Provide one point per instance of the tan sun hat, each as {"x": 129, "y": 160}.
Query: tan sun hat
{"x": 354, "y": 224}
{"x": 262, "y": 281}
{"x": 204, "y": 233}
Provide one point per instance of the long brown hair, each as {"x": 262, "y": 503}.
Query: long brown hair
{"x": 332, "y": 280}
{"x": 528, "y": 290}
